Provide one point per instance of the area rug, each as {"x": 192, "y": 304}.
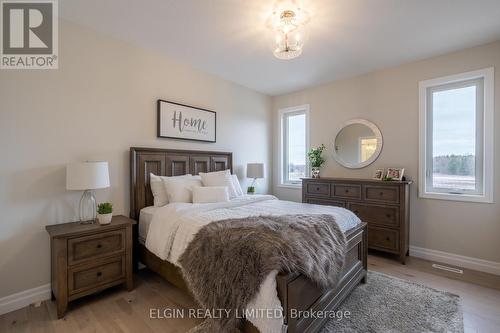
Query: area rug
{"x": 388, "y": 304}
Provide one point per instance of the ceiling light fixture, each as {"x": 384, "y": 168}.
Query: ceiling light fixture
{"x": 288, "y": 22}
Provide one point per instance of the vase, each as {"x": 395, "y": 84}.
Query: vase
{"x": 315, "y": 172}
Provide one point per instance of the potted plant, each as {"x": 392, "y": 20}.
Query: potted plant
{"x": 316, "y": 160}
{"x": 104, "y": 213}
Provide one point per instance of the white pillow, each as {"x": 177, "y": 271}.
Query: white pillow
{"x": 158, "y": 189}
{"x": 237, "y": 186}
{"x": 219, "y": 178}
{"x": 180, "y": 189}
{"x": 208, "y": 194}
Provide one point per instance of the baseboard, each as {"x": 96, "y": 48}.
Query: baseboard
{"x": 24, "y": 298}
{"x": 480, "y": 265}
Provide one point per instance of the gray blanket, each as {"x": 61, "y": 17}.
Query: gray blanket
{"x": 226, "y": 262}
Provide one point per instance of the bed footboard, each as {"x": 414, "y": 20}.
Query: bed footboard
{"x": 297, "y": 293}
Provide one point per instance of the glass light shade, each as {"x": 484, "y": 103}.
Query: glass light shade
{"x": 289, "y": 45}
{"x": 288, "y": 24}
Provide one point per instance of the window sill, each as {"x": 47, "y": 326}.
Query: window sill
{"x": 456, "y": 197}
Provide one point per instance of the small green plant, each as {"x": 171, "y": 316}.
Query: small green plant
{"x": 105, "y": 208}
{"x": 251, "y": 190}
{"x": 315, "y": 158}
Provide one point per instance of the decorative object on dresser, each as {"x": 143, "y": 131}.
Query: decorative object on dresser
{"x": 316, "y": 160}
{"x": 384, "y": 206}
{"x": 378, "y": 174}
{"x": 394, "y": 174}
{"x": 255, "y": 171}
{"x": 357, "y": 144}
{"x": 87, "y": 176}
{"x": 179, "y": 121}
{"x": 88, "y": 258}
{"x": 104, "y": 213}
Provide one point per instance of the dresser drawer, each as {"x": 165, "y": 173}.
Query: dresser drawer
{"x": 347, "y": 191}
{"x": 375, "y": 214}
{"x": 81, "y": 278}
{"x": 383, "y": 239}
{"x": 325, "y": 202}
{"x": 95, "y": 246}
{"x": 389, "y": 194}
{"x": 318, "y": 189}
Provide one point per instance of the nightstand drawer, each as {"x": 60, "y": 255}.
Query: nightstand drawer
{"x": 86, "y": 277}
{"x": 95, "y": 246}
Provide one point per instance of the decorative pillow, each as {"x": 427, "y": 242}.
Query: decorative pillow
{"x": 208, "y": 194}
{"x": 180, "y": 189}
{"x": 158, "y": 189}
{"x": 237, "y": 186}
{"x": 219, "y": 178}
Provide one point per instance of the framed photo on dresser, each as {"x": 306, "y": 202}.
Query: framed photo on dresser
{"x": 184, "y": 122}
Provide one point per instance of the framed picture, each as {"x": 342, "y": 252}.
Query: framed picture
{"x": 395, "y": 173}
{"x": 379, "y": 174}
{"x": 179, "y": 121}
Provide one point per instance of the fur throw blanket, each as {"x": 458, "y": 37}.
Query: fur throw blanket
{"x": 226, "y": 262}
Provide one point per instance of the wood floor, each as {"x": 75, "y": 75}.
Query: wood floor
{"x": 117, "y": 310}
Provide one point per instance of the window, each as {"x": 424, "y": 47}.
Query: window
{"x": 294, "y": 144}
{"x": 456, "y": 137}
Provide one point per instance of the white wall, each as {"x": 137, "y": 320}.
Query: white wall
{"x": 99, "y": 103}
{"x": 389, "y": 98}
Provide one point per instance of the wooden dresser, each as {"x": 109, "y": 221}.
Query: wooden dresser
{"x": 88, "y": 258}
{"x": 384, "y": 206}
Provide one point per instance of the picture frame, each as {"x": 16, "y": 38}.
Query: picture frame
{"x": 185, "y": 122}
{"x": 378, "y": 174}
{"x": 395, "y": 173}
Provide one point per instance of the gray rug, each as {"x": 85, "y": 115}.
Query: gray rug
{"x": 388, "y": 304}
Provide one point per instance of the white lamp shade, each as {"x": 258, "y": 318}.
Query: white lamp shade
{"x": 255, "y": 170}
{"x": 87, "y": 175}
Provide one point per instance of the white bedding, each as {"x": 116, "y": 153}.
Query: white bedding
{"x": 145, "y": 216}
{"x": 173, "y": 226}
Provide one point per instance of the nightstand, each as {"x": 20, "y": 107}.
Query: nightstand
{"x": 88, "y": 258}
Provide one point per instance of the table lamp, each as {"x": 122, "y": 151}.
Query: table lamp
{"x": 87, "y": 176}
{"x": 254, "y": 170}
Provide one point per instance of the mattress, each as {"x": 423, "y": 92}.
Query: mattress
{"x": 145, "y": 217}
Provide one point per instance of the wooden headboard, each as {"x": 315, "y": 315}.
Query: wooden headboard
{"x": 168, "y": 162}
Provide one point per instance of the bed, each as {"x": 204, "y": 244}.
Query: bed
{"x": 293, "y": 290}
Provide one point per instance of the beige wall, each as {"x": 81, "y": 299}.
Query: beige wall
{"x": 389, "y": 98}
{"x": 100, "y": 102}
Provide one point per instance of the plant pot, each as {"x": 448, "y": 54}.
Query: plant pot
{"x": 104, "y": 218}
{"x": 315, "y": 172}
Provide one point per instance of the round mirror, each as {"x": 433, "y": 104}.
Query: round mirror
{"x": 357, "y": 144}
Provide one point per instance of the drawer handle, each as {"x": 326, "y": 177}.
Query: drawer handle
{"x": 99, "y": 274}
{"x": 381, "y": 194}
{"x": 317, "y": 189}
{"x": 387, "y": 238}
{"x": 99, "y": 245}
{"x": 388, "y": 216}
{"x": 346, "y": 191}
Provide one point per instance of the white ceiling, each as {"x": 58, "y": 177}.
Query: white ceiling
{"x": 228, "y": 38}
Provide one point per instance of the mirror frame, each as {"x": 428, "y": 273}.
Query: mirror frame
{"x": 376, "y": 154}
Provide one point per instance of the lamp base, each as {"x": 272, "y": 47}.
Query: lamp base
{"x": 88, "y": 208}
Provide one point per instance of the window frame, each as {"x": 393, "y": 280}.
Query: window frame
{"x": 282, "y": 114}
{"x": 425, "y": 121}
